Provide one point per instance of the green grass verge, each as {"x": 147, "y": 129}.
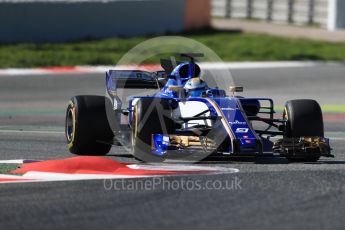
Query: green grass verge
{"x": 229, "y": 46}
{"x": 333, "y": 108}
{"x": 325, "y": 108}
{"x": 7, "y": 168}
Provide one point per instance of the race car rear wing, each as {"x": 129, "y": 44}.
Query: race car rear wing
{"x": 134, "y": 79}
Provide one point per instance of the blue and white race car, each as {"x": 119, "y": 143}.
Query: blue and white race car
{"x": 186, "y": 119}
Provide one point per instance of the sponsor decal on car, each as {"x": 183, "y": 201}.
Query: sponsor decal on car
{"x": 236, "y": 122}
{"x": 242, "y": 130}
{"x": 228, "y": 109}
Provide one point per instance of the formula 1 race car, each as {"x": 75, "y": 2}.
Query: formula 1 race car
{"x": 187, "y": 119}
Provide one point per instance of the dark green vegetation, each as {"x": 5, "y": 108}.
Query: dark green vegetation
{"x": 7, "y": 168}
{"x": 230, "y": 46}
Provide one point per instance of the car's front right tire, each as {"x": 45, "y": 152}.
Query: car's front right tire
{"x": 303, "y": 119}
{"x": 87, "y": 129}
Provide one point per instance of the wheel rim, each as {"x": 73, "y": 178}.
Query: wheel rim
{"x": 285, "y": 114}
{"x": 70, "y": 124}
{"x": 134, "y": 128}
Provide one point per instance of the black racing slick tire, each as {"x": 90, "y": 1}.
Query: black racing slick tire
{"x": 150, "y": 116}
{"x": 87, "y": 128}
{"x": 303, "y": 119}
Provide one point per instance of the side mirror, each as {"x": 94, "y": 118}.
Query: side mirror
{"x": 235, "y": 89}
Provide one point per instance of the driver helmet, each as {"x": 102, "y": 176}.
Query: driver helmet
{"x": 195, "y": 87}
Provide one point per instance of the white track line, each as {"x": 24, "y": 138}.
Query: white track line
{"x": 6, "y": 176}
{"x": 206, "y": 65}
{"x": 31, "y": 131}
{"x": 19, "y": 161}
{"x": 257, "y": 65}
{"x": 182, "y": 167}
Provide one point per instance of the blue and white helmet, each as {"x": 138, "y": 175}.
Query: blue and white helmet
{"x": 195, "y": 87}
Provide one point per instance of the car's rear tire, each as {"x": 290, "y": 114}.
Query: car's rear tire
{"x": 150, "y": 116}
{"x": 86, "y": 127}
{"x": 303, "y": 119}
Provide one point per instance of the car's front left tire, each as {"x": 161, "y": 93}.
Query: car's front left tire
{"x": 150, "y": 116}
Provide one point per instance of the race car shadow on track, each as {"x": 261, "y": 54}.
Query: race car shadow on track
{"x": 219, "y": 159}
{"x": 327, "y": 162}
{"x": 270, "y": 159}
{"x": 264, "y": 160}
{"x": 255, "y": 160}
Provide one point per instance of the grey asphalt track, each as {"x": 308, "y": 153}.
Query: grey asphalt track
{"x": 273, "y": 194}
